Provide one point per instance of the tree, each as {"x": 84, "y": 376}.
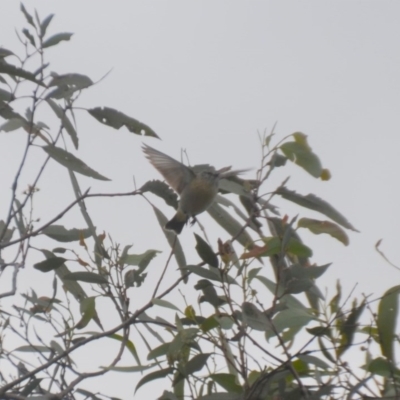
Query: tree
{"x": 261, "y": 328}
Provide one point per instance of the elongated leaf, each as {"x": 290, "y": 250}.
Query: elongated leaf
{"x": 213, "y": 274}
{"x": 71, "y": 162}
{"x": 222, "y": 396}
{"x": 388, "y": 311}
{"x": 162, "y": 373}
{"x": 5, "y": 52}
{"x": 165, "y": 303}
{"x": 313, "y": 360}
{"x": 330, "y": 228}
{"x": 228, "y": 382}
{"x": 297, "y": 248}
{"x": 88, "y": 311}
{"x": 66, "y": 123}
{"x": 29, "y": 36}
{"x": 300, "y": 153}
{"x": 231, "y": 225}
{"x": 196, "y": 363}
{"x": 57, "y": 38}
{"x": 14, "y": 71}
{"x": 116, "y": 119}
{"x": 255, "y": 318}
{"x": 349, "y": 327}
{"x": 50, "y": 264}
{"x": 382, "y": 367}
{"x": 89, "y": 277}
{"x": 5, "y": 95}
{"x": 161, "y": 189}
{"x": 173, "y": 241}
{"x": 292, "y": 318}
{"x": 67, "y": 85}
{"x": 205, "y": 252}
{"x": 132, "y": 349}
{"x": 159, "y": 351}
{"x": 315, "y": 203}
{"x": 76, "y": 80}
{"x": 27, "y": 16}
{"x": 61, "y": 234}
{"x": 33, "y": 349}
{"x": 142, "y": 260}
{"x": 45, "y": 23}
{"x": 13, "y": 124}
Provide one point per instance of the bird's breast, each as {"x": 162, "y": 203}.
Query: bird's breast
{"x": 197, "y": 196}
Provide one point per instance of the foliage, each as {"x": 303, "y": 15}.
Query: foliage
{"x": 249, "y": 336}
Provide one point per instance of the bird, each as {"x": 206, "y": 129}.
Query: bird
{"x": 197, "y": 187}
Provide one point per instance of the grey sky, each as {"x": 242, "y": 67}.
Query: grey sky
{"x": 206, "y": 76}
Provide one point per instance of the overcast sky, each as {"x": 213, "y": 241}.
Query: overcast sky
{"x": 207, "y": 76}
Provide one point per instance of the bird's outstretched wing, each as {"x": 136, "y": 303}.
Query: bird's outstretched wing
{"x": 175, "y": 173}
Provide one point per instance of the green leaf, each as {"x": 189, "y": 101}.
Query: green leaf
{"x": 313, "y": 360}
{"x": 325, "y": 351}
{"x": 231, "y": 225}
{"x": 273, "y": 246}
{"x": 205, "y": 252}
{"x": 315, "y": 203}
{"x": 164, "y": 303}
{"x": 298, "y": 271}
{"x": 33, "y": 349}
{"x": 71, "y": 162}
{"x": 297, "y": 248}
{"x": 162, "y": 190}
{"x": 209, "y": 293}
{"x": 159, "y": 351}
{"x": 88, "y": 311}
{"x": 162, "y": 373}
{"x": 132, "y": 349}
{"x": 317, "y": 227}
{"x": 13, "y": 124}
{"x": 45, "y": 23}
{"x": 388, "y": 311}
{"x": 14, "y": 71}
{"x": 213, "y": 273}
{"x": 221, "y": 396}
{"x": 300, "y": 153}
{"x": 116, "y": 119}
{"x": 173, "y": 241}
{"x": 89, "y": 277}
{"x": 135, "y": 368}
{"x": 66, "y": 123}
{"x": 196, "y": 363}
{"x": 255, "y": 318}
{"x": 50, "y": 264}
{"x": 55, "y": 39}
{"x": 7, "y": 235}
{"x": 228, "y": 382}
{"x": 292, "y": 318}
{"x": 61, "y": 234}
{"x": 209, "y": 323}
{"x": 5, "y": 95}
{"x": 77, "y": 80}
{"x": 27, "y": 16}
{"x": 142, "y": 260}
{"x": 348, "y": 328}
{"x": 296, "y": 286}
{"x": 29, "y": 36}
{"x": 67, "y": 85}
{"x": 5, "y": 53}
{"x": 382, "y": 367}
{"x": 277, "y": 160}
{"x": 319, "y": 331}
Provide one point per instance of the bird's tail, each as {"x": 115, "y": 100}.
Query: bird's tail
{"x": 177, "y": 223}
